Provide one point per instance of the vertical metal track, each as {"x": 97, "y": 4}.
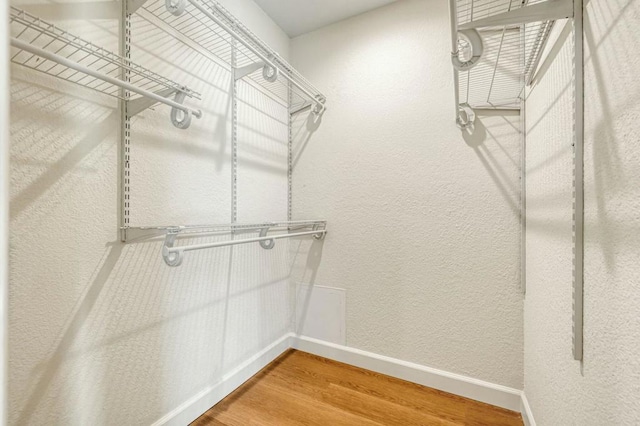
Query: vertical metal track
{"x": 523, "y": 198}
{"x": 125, "y": 126}
{"x": 523, "y": 173}
{"x": 234, "y": 136}
{"x": 578, "y": 182}
{"x": 453, "y": 15}
{"x": 290, "y": 158}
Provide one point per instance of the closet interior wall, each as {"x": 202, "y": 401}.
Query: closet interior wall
{"x": 425, "y": 219}
{"x": 603, "y": 388}
{"x": 103, "y": 332}
{"x": 4, "y": 208}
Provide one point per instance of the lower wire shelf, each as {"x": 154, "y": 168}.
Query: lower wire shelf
{"x": 269, "y": 232}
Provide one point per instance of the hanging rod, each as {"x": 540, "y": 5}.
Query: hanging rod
{"x": 83, "y": 63}
{"x": 138, "y": 233}
{"x": 173, "y": 256}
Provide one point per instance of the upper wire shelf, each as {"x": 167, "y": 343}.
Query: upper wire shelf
{"x": 44, "y": 47}
{"x": 512, "y": 34}
{"x": 209, "y": 27}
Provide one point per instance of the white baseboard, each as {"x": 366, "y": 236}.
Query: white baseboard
{"x": 468, "y": 387}
{"x": 210, "y": 396}
{"x": 500, "y": 396}
{"x": 525, "y": 410}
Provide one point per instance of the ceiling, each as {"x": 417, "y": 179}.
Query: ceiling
{"x": 297, "y": 17}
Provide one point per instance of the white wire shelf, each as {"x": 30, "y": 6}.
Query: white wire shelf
{"x": 511, "y": 52}
{"x": 209, "y": 27}
{"x": 44, "y": 47}
{"x": 269, "y": 232}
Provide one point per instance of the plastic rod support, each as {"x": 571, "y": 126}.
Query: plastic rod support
{"x": 180, "y": 122}
{"x": 266, "y": 244}
{"x": 466, "y": 116}
{"x": 477, "y": 48}
{"x": 171, "y": 258}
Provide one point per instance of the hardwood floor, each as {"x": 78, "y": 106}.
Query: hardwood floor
{"x": 303, "y": 389}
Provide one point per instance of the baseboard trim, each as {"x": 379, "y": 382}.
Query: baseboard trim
{"x": 468, "y": 387}
{"x": 210, "y": 396}
{"x": 525, "y": 410}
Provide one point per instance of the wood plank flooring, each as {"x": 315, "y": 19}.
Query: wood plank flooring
{"x": 303, "y": 389}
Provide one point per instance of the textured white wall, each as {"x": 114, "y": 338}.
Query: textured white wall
{"x": 105, "y": 333}
{"x": 605, "y": 388}
{"x": 4, "y": 208}
{"x": 424, "y": 224}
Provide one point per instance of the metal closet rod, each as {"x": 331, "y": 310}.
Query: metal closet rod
{"x": 81, "y": 68}
{"x": 173, "y": 256}
{"x": 319, "y": 233}
{"x": 256, "y": 52}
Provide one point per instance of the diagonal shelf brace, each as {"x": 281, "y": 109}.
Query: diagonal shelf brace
{"x": 239, "y": 73}
{"x": 134, "y": 5}
{"x": 136, "y": 106}
{"x": 307, "y": 105}
{"x": 548, "y": 11}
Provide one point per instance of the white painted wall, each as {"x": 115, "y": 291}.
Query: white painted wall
{"x": 4, "y": 208}
{"x": 424, "y": 223}
{"x": 605, "y": 388}
{"x": 105, "y": 333}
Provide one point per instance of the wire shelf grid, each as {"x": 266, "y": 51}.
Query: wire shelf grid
{"x": 209, "y": 36}
{"x": 511, "y": 54}
{"x": 36, "y": 32}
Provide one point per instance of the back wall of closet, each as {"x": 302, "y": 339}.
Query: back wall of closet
{"x": 425, "y": 230}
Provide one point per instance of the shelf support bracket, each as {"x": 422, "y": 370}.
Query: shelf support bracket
{"x": 303, "y": 107}
{"x": 134, "y": 5}
{"x": 136, "y": 106}
{"x": 239, "y": 73}
{"x": 548, "y": 11}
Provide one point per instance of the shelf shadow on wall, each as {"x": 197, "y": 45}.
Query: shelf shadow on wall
{"x": 82, "y": 311}
{"x": 72, "y": 158}
{"x": 604, "y": 150}
{"x": 476, "y": 139}
{"x": 298, "y": 273}
{"x": 307, "y": 126}
{"x": 607, "y": 176}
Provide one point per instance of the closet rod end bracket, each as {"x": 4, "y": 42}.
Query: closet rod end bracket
{"x": 172, "y": 258}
